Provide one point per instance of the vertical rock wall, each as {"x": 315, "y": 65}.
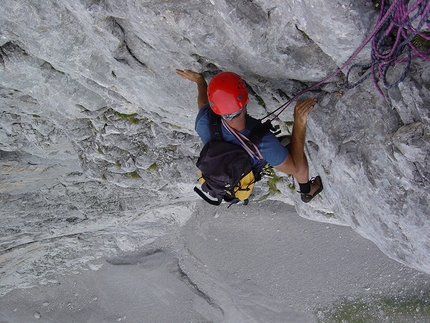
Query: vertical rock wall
{"x": 90, "y": 103}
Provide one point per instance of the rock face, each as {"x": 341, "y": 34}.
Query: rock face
{"x": 97, "y": 140}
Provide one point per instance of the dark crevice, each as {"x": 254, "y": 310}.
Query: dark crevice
{"x": 134, "y": 56}
{"x": 193, "y": 286}
{"x": 1, "y": 58}
{"x": 134, "y": 259}
{"x": 47, "y": 66}
{"x": 124, "y": 47}
{"x": 122, "y": 61}
{"x": 10, "y": 48}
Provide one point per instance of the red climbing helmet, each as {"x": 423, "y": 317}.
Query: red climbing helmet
{"x": 227, "y": 93}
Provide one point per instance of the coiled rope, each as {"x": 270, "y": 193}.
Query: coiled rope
{"x": 396, "y": 21}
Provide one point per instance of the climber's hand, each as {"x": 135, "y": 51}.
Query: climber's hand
{"x": 190, "y": 75}
{"x": 302, "y": 110}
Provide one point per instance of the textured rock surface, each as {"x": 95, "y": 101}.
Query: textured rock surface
{"x": 96, "y": 131}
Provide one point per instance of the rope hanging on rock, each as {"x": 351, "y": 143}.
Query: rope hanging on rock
{"x": 393, "y": 40}
{"x": 393, "y": 35}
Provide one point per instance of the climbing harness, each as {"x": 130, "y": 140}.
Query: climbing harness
{"x": 398, "y": 19}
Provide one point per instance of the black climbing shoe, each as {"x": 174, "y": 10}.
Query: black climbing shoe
{"x": 316, "y": 186}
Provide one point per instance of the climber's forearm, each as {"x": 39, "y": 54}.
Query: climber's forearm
{"x": 202, "y": 97}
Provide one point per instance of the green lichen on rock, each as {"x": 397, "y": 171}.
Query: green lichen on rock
{"x": 129, "y": 117}
{"x": 412, "y": 308}
{"x": 134, "y": 175}
{"x": 272, "y": 181}
{"x": 152, "y": 168}
{"x": 260, "y": 100}
{"x": 420, "y": 42}
{"x": 172, "y": 147}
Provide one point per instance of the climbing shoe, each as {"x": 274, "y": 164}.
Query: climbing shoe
{"x": 316, "y": 186}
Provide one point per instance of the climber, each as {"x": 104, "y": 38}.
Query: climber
{"x": 227, "y": 96}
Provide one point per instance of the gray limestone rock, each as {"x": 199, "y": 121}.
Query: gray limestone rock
{"x": 95, "y": 126}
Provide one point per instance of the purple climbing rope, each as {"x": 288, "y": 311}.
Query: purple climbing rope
{"x": 393, "y": 42}
{"x": 399, "y": 20}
